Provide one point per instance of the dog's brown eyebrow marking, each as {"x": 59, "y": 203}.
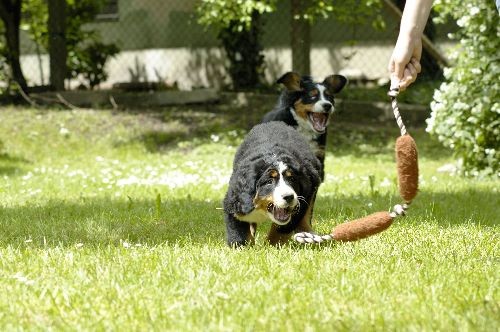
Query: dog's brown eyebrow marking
{"x": 288, "y": 173}
{"x": 273, "y": 173}
{"x": 313, "y": 92}
{"x": 261, "y": 203}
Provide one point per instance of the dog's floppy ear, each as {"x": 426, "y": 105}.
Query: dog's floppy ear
{"x": 245, "y": 188}
{"x": 291, "y": 81}
{"x": 241, "y": 191}
{"x": 335, "y": 83}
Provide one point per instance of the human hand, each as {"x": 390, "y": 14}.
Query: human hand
{"x": 404, "y": 65}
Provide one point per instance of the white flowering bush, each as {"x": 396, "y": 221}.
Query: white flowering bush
{"x": 466, "y": 111}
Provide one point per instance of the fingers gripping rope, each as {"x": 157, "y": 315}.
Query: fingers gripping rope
{"x": 407, "y": 167}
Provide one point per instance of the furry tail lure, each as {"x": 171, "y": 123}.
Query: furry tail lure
{"x": 407, "y": 170}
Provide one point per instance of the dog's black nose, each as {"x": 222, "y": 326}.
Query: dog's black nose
{"x": 327, "y": 106}
{"x": 288, "y": 198}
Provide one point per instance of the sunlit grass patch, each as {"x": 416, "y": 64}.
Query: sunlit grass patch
{"x": 101, "y": 230}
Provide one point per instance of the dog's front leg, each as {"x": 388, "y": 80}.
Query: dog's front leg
{"x": 239, "y": 233}
{"x": 276, "y": 238}
{"x": 305, "y": 223}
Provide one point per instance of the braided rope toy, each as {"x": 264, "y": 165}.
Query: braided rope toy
{"x": 407, "y": 168}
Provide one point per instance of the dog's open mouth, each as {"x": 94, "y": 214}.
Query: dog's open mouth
{"x": 319, "y": 121}
{"x": 281, "y": 215}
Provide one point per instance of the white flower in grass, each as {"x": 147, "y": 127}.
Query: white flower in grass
{"x": 126, "y": 245}
{"x": 23, "y": 279}
{"x": 64, "y": 131}
{"x": 79, "y": 245}
{"x": 27, "y": 176}
{"x": 222, "y": 296}
{"x": 33, "y": 192}
{"x": 385, "y": 183}
{"x": 447, "y": 168}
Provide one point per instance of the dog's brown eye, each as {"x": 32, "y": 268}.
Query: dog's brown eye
{"x": 313, "y": 93}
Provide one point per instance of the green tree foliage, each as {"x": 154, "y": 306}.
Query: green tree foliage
{"x": 466, "y": 108}
{"x": 347, "y": 11}
{"x": 239, "y": 26}
{"x": 223, "y": 13}
{"x": 87, "y": 55}
{"x": 244, "y": 51}
{"x": 234, "y": 14}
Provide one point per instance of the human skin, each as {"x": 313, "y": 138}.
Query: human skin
{"x": 404, "y": 65}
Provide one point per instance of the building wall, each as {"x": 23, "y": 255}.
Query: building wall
{"x": 161, "y": 40}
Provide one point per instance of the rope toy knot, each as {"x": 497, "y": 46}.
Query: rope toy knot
{"x": 305, "y": 237}
{"x": 393, "y": 92}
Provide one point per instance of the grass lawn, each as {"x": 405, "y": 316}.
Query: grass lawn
{"x": 109, "y": 220}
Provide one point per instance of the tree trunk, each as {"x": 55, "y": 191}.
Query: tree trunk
{"x": 300, "y": 38}
{"x": 10, "y": 12}
{"x": 57, "y": 43}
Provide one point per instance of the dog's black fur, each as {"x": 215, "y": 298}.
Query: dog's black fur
{"x": 257, "y": 170}
{"x": 306, "y": 105}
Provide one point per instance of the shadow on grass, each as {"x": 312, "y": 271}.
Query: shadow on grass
{"x": 108, "y": 221}
{"x": 101, "y": 222}
{"x": 445, "y": 209}
{"x": 193, "y": 125}
{"x": 360, "y": 139}
{"x": 10, "y": 165}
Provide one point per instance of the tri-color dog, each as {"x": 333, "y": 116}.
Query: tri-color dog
{"x": 307, "y": 105}
{"x": 275, "y": 178}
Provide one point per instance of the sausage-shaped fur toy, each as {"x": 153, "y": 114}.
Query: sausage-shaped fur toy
{"x": 407, "y": 168}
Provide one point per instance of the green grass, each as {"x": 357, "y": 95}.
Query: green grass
{"x": 109, "y": 220}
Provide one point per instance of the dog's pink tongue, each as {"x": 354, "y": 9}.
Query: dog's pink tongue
{"x": 319, "y": 121}
{"x": 281, "y": 214}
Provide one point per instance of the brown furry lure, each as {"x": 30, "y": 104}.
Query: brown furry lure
{"x": 407, "y": 168}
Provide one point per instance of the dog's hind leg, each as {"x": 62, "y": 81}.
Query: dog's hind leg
{"x": 239, "y": 233}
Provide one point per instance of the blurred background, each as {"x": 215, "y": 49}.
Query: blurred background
{"x": 192, "y": 44}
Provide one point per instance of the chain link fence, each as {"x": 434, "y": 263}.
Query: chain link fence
{"x": 162, "y": 41}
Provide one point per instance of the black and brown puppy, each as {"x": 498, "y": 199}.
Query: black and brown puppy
{"x": 307, "y": 105}
{"x": 275, "y": 177}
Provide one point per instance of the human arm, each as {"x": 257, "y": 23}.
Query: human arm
{"x": 404, "y": 64}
